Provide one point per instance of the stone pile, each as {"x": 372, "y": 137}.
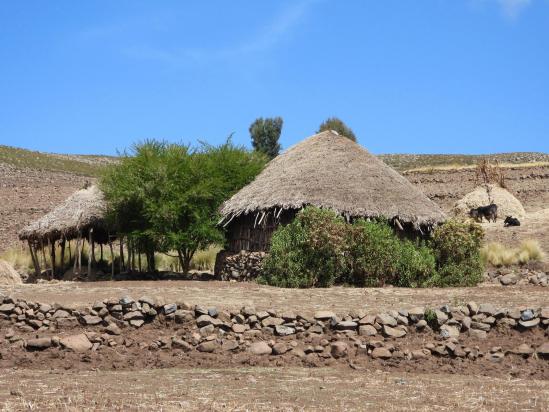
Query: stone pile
{"x": 241, "y": 266}
{"x": 522, "y": 276}
{"x": 272, "y": 332}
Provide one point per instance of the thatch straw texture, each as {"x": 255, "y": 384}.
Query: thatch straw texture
{"x": 330, "y": 171}
{"x": 82, "y": 210}
{"x": 483, "y": 195}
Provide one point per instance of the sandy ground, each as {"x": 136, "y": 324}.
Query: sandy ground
{"x": 227, "y": 295}
{"x": 266, "y": 389}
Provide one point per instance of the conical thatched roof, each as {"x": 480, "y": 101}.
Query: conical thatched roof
{"x": 330, "y": 171}
{"x": 82, "y": 210}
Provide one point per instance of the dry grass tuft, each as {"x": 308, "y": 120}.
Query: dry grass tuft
{"x": 497, "y": 254}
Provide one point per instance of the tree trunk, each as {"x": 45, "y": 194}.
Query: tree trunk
{"x": 52, "y": 257}
{"x": 112, "y": 258}
{"x": 62, "y": 263}
{"x": 101, "y": 247}
{"x": 121, "y": 255}
{"x": 139, "y": 261}
{"x": 90, "y": 251}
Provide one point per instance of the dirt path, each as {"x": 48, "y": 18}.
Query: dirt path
{"x": 265, "y": 389}
{"x": 229, "y": 295}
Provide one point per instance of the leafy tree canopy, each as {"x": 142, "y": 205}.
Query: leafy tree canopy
{"x": 265, "y": 134}
{"x": 165, "y": 197}
{"x": 333, "y": 123}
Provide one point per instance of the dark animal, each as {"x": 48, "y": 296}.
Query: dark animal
{"x": 490, "y": 213}
{"x": 511, "y": 221}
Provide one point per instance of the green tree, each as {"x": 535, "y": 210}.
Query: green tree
{"x": 333, "y": 123}
{"x": 265, "y": 134}
{"x": 165, "y": 197}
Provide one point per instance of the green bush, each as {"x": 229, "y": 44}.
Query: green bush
{"x": 307, "y": 252}
{"x": 457, "y": 251}
{"x": 377, "y": 256}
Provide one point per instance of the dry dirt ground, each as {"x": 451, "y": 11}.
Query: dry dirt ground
{"x": 265, "y": 389}
{"x": 233, "y": 296}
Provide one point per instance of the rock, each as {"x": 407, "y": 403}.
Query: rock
{"x": 126, "y": 300}
{"x": 282, "y": 330}
{"x": 421, "y": 324}
{"x": 113, "y": 329}
{"x": 137, "y": 322}
{"x": 346, "y": 325}
{"x": 447, "y": 331}
{"x": 182, "y": 316}
{"x": 39, "y": 344}
{"x": 339, "y": 349}
{"x": 260, "y": 348}
{"x": 207, "y": 347}
{"x": 416, "y": 314}
{"x": 496, "y": 357}
{"x": 7, "y": 308}
{"x": 271, "y": 321}
{"x": 381, "y": 353}
{"x": 393, "y": 332}
{"x": 204, "y": 320}
{"x": 76, "y": 343}
{"x": 466, "y": 323}
{"x": 67, "y": 323}
{"x": 181, "y": 344}
{"x": 148, "y": 300}
{"x": 480, "y": 326}
{"x": 473, "y": 308}
{"x": 385, "y": 319}
{"x": 229, "y": 345}
{"x": 133, "y": 315}
{"x": 442, "y": 317}
{"x": 527, "y": 314}
{"x": 91, "y": 320}
{"x": 420, "y": 354}
{"x": 477, "y": 334}
{"x": 213, "y": 312}
{"x": 280, "y": 348}
{"x": 60, "y": 313}
{"x": 509, "y": 279}
{"x": 324, "y": 315}
{"x": 169, "y": 308}
{"x": 238, "y": 328}
{"x": 367, "y": 330}
{"x": 529, "y": 323}
{"x": 523, "y": 349}
{"x": 248, "y": 311}
{"x": 487, "y": 309}
{"x": 367, "y": 320}
{"x": 543, "y": 350}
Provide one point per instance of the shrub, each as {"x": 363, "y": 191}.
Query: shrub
{"x": 498, "y": 255}
{"x": 307, "y": 252}
{"x": 456, "y": 246}
{"x": 377, "y": 256}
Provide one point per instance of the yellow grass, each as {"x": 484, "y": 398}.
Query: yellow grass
{"x": 498, "y": 255}
{"x": 456, "y": 166}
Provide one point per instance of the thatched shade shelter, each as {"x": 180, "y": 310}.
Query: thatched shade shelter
{"x": 328, "y": 171}
{"x": 81, "y": 216}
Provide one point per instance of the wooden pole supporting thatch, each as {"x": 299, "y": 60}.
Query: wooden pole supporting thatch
{"x": 62, "y": 263}
{"x": 101, "y": 248}
{"x": 52, "y": 257}
{"x": 112, "y": 256}
{"x": 121, "y": 254}
{"x": 34, "y": 258}
{"x": 90, "y": 251}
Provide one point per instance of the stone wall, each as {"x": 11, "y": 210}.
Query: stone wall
{"x": 241, "y": 266}
{"x": 406, "y": 334}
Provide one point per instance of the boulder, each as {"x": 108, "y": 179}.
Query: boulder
{"x": 282, "y": 330}
{"x": 39, "y": 344}
{"x": 91, "y": 320}
{"x": 381, "y": 353}
{"x": 207, "y": 347}
{"x": 76, "y": 343}
{"x": 260, "y": 348}
{"x": 339, "y": 349}
{"x": 324, "y": 315}
{"x": 447, "y": 331}
{"x": 367, "y": 330}
{"x": 393, "y": 332}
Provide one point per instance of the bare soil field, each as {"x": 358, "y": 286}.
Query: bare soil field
{"x": 232, "y": 295}
{"x": 267, "y": 389}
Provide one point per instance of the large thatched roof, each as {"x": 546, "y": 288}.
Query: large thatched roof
{"x": 82, "y": 210}
{"x": 330, "y": 171}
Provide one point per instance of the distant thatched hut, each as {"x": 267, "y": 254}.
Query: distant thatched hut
{"x": 81, "y": 216}
{"x": 328, "y": 171}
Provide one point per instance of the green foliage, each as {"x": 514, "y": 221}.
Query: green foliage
{"x": 333, "y": 123}
{"x": 265, "y": 134}
{"x": 457, "y": 251}
{"x": 377, "y": 256}
{"x": 165, "y": 197}
{"x": 307, "y": 252}
{"x": 431, "y": 318}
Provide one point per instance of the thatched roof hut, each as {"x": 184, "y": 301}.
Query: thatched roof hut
{"x": 328, "y": 171}
{"x": 83, "y": 210}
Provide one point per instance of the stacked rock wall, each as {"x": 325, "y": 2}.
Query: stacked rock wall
{"x": 241, "y": 266}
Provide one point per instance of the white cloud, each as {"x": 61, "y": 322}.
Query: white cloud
{"x": 280, "y": 27}
{"x": 513, "y": 8}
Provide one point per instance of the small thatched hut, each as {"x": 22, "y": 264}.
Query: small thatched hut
{"x": 329, "y": 171}
{"x": 81, "y": 216}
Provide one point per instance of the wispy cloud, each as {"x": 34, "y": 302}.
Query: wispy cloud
{"x": 279, "y": 28}
{"x": 512, "y": 9}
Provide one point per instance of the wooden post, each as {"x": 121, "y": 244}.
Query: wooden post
{"x": 70, "y": 252}
{"x": 101, "y": 247}
{"x": 51, "y": 244}
{"x": 34, "y": 259}
{"x": 112, "y": 258}
{"x": 44, "y": 254}
{"x": 62, "y": 265}
{"x": 80, "y": 244}
{"x": 121, "y": 255}
{"x": 90, "y": 251}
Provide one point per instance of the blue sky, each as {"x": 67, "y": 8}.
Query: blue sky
{"x": 433, "y": 76}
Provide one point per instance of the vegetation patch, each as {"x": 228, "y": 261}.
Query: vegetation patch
{"x": 496, "y": 254}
